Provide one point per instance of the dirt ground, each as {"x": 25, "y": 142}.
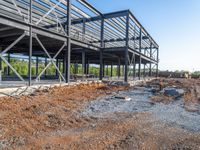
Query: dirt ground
{"x": 190, "y": 86}
{"x": 52, "y": 119}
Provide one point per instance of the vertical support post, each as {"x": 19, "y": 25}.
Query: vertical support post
{"x": 37, "y": 66}
{"x": 68, "y": 53}
{"x": 157, "y": 62}
{"x": 74, "y": 68}
{"x": 88, "y": 68}
{"x": 101, "y": 71}
{"x": 9, "y": 63}
{"x": 123, "y": 70}
{"x": 111, "y": 71}
{"x": 107, "y": 70}
{"x": 140, "y": 49}
{"x": 84, "y": 71}
{"x": 119, "y": 69}
{"x": 144, "y": 71}
{"x": 126, "y": 50}
{"x": 83, "y": 63}
{"x": 150, "y": 67}
{"x": 30, "y": 45}
{"x": 134, "y": 66}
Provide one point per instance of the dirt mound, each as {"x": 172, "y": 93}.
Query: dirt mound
{"x": 25, "y": 119}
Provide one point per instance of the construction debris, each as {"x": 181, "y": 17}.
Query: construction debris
{"x": 123, "y": 97}
{"x": 167, "y": 90}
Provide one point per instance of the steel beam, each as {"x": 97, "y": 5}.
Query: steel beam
{"x": 98, "y": 18}
{"x": 90, "y": 7}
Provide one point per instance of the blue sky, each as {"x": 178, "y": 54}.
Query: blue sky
{"x": 174, "y": 24}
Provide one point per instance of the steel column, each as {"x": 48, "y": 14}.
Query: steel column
{"x": 68, "y": 53}
{"x": 134, "y": 67}
{"x": 88, "y": 68}
{"x": 157, "y": 62}
{"x": 83, "y": 63}
{"x": 30, "y": 45}
{"x": 150, "y": 67}
{"x": 140, "y": 49}
{"x": 119, "y": 69}
{"x": 76, "y": 68}
{"x": 63, "y": 63}
{"x": 126, "y": 50}
{"x": 107, "y": 70}
{"x": 111, "y": 71}
{"x": 101, "y": 71}
{"x": 144, "y": 71}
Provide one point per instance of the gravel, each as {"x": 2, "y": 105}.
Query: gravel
{"x": 173, "y": 113}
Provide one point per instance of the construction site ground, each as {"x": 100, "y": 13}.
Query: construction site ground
{"x": 104, "y": 116}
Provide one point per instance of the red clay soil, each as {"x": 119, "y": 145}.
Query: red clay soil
{"x": 51, "y": 120}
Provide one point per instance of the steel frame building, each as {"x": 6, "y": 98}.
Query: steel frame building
{"x": 75, "y": 32}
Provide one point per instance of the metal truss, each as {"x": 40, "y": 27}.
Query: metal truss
{"x": 51, "y": 59}
{"x": 81, "y": 25}
{"x": 7, "y": 49}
